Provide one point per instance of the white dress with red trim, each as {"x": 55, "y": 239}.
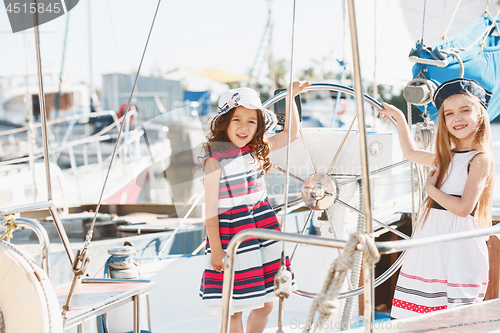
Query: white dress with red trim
{"x": 443, "y": 276}
{"x": 243, "y": 204}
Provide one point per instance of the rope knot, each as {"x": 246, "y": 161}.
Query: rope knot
{"x": 9, "y": 222}
{"x": 325, "y": 306}
{"x": 367, "y": 244}
{"x": 326, "y": 302}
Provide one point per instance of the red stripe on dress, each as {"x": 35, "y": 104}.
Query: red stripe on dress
{"x": 213, "y": 276}
{"x": 449, "y": 284}
{"x": 209, "y": 286}
{"x": 234, "y": 230}
{"x": 474, "y": 285}
{"x": 248, "y": 275}
{"x": 245, "y": 208}
{"x": 223, "y": 241}
{"x": 414, "y": 277}
{"x": 234, "y": 211}
{"x": 268, "y": 222}
{"x": 248, "y": 285}
{"x": 229, "y": 153}
{"x": 416, "y": 307}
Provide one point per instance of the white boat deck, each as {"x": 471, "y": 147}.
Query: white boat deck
{"x": 480, "y": 317}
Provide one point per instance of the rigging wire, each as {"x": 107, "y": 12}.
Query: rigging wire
{"x": 63, "y": 60}
{"x": 290, "y": 110}
{"x": 423, "y": 24}
{"x": 445, "y": 36}
{"x": 490, "y": 29}
{"x": 291, "y": 102}
{"x": 81, "y": 260}
{"x": 91, "y": 230}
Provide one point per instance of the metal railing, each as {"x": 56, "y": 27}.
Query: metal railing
{"x": 43, "y": 239}
{"x": 53, "y": 211}
{"x": 383, "y": 248}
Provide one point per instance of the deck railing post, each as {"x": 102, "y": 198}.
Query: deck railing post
{"x": 365, "y": 181}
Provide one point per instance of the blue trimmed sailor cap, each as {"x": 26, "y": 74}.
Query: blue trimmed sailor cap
{"x": 461, "y": 86}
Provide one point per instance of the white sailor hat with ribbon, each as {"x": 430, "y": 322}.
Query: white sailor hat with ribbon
{"x": 246, "y": 97}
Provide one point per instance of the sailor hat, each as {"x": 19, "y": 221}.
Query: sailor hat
{"x": 246, "y": 97}
{"x": 461, "y": 86}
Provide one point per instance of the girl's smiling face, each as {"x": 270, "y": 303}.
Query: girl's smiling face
{"x": 461, "y": 113}
{"x": 243, "y": 126}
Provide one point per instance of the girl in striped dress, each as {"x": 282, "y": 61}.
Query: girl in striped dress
{"x": 235, "y": 164}
{"x": 459, "y": 198}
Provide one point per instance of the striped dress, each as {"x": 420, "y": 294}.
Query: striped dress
{"x": 443, "y": 276}
{"x": 243, "y": 204}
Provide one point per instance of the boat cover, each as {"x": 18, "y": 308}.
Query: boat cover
{"x": 480, "y": 63}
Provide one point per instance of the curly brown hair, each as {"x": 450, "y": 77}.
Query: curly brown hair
{"x": 259, "y": 145}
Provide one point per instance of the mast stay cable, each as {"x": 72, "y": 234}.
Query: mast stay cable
{"x": 81, "y": 259}
{"x": 291, "y": 100}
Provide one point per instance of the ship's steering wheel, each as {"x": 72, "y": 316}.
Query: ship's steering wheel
{"x": 320, "y": 191}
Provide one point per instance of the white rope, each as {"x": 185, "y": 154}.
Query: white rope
{"x": 454, "y": 53}
{"x": 325, "y": 303}
{"x": 52, "y": 315}
{"x": 490, "y": 28}
{"x": 356, "y": 270}
{"x": 451, "y": 21}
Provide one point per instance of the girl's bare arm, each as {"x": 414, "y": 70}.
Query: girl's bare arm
{"x": 212, "y": 170}
{"x": 280, "y": 140}
{"x": 408, "y": 146}
{"x": 479, "y": 171}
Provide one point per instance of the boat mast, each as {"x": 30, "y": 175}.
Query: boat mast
{"x": 375, "y": 84}
{"x": 368, "y": 269}
{"x": 43, "y": 114}
{"x": 91, "y": 76}
{"x": 63, "y": 60}
{"x": 264, "y": 51}
{"x": 31, "y": 121}
{"x": 272, "y": 72}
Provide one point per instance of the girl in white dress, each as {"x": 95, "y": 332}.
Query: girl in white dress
{"x": 459, "y": 198}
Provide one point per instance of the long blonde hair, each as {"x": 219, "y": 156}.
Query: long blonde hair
{"x": 445, "y": 142}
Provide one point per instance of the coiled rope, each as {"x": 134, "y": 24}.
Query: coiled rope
{"x": 356, "y": 269}
{"x": 325, "y": 303}
{"x": 53, "y": 316}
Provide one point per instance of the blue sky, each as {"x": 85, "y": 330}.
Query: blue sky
{"x": 190, "y": 34}
{"x": 197, "y": 34}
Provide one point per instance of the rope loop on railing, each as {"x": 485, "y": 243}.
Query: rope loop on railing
{"x": 9, "y": 221}
{"x": 325, "y": 303}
